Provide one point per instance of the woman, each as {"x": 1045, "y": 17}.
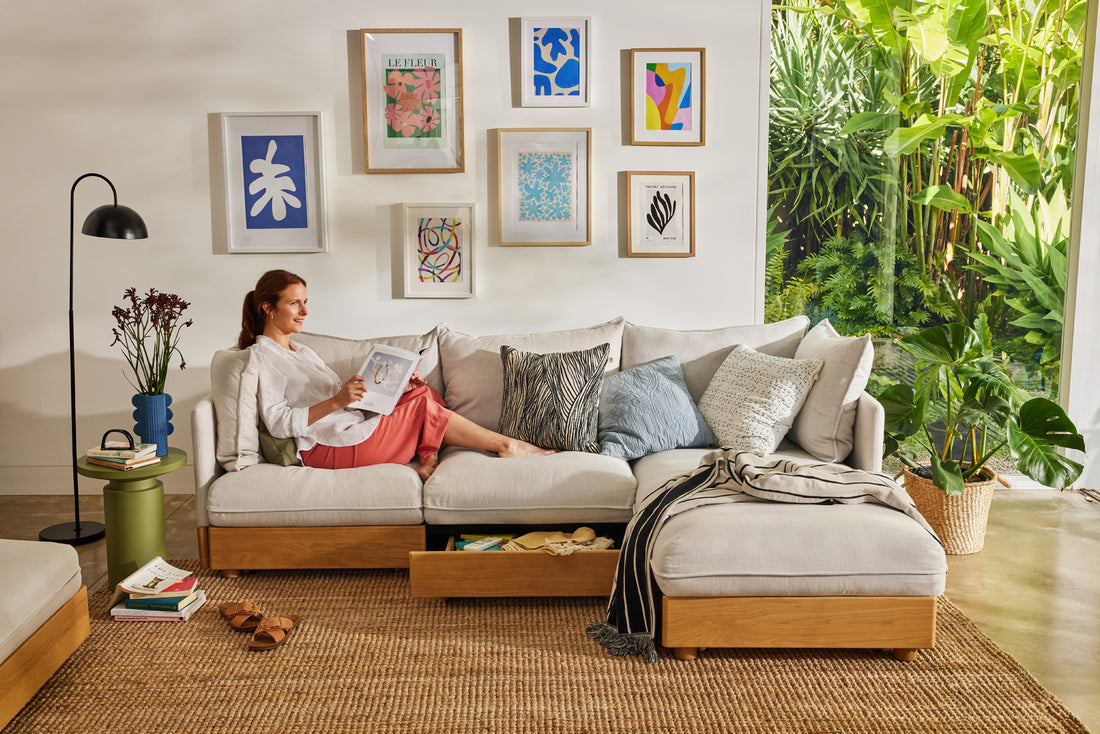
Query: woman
{"x": 302, "y": 398}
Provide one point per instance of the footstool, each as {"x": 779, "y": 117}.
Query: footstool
{"x": 43, "y": 617}
{"x": 772, "y": 574}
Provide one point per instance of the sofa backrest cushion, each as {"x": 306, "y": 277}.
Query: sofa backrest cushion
{"x": 824, "y": 425}
{"x": 473, "y": 375}
{"x": 234, "y": 386}
{"x": 702, "y": 352}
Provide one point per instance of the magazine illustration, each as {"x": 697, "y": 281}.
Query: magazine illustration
{"x": 386, "y": 371}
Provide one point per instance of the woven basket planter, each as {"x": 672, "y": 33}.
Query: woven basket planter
{"x": 959, "y": 520}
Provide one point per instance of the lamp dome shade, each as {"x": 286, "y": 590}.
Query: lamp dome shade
{"x": 116, "y": 222}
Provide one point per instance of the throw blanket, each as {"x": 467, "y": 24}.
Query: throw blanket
{"x": 723, "y": 476}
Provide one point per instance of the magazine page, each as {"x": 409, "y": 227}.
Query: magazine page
{"x": 387, "y": 371}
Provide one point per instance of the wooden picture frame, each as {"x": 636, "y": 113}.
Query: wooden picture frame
{"x": 543, "y": 184}
{"x": 554, "y": 62}
{"x": 668, "y": 96}
{"x": 274, "y": 183}
{"x": 661, "y": 213}
{"x": 438, "y": 257}
{"x": 412, "y": 100}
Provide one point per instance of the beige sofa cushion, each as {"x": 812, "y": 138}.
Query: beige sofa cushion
{"x": 345, "y": 356}
{"x": 824, "y": 424}
{"x": 473, "y": 487}
{"x": 701, "y": 352}
{"x": 37, "y": 579}
{"x": 473, "y": 375}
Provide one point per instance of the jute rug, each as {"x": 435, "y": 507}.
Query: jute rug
{"x": 368, "y": 658}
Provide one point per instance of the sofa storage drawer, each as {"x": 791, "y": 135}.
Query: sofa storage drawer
{"x": 456, "y": 573}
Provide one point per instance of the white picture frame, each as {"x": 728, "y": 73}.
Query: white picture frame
{"x": 661, "y": 214}
{"x": 555, "y": 67}
{"x": 438, "y": 250}
{"x": 421, "y": 135}
{"x": 543, "y": 186}
{"x": 274, "y": 183}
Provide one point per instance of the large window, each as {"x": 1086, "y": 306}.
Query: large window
{"x": 921, "y": 162}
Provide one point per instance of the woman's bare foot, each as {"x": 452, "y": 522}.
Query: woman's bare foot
{"x": 514, "y": 447}
{"x": 427, "y": 466}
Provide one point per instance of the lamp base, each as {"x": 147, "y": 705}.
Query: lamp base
{"x": 73, "y": 534}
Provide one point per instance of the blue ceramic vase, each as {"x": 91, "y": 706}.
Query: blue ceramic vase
{"x": 152, "y": 420}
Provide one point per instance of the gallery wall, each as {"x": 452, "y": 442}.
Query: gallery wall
{"x": 127, "y": 88}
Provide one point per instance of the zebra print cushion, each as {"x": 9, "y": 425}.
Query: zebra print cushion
{"x": 552, "y": 400}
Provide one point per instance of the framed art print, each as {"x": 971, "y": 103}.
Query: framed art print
{"x": 438, "y": 250}
{"x": 412, "y": 100}
{"x": 274, "y": 183}
{"x": 554, "y": 62}
{"x": 661, "y": 219}
{"x": 543, "y": 185}
{"x": 667, "y": 102}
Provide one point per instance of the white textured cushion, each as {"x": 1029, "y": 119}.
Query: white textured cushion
{"x": 824, "y": 425}
{"x": 701, "y": 352}
{"x": 754, "y": 397}
{"x": 37, "y": 579}
{"x": 473, "y": 376}
{"x": 267, "y": 495}
{"x": 779, "y": 549}
{"x": 567, "y": 487}
{"x": 233, "y": 387}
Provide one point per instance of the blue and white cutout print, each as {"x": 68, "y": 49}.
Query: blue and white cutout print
{"x": 275, "y": 181}
{"x": 557, "y": 62}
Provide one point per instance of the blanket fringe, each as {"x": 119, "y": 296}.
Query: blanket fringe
{"x": 623, "y": 643}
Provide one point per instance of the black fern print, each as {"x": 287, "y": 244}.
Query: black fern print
{"x": 661, "y": 211}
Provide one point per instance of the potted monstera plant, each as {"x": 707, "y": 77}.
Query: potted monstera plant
{"x": 963, "y": 410}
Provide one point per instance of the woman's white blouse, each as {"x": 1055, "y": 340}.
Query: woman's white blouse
{"x": 290, "y": 382}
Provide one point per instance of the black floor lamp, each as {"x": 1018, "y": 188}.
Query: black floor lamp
{"x": 114, "y": 222}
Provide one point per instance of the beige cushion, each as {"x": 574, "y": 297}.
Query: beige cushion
{"x": 567, "y": 487}
{"x": 37, "y": 579}
{"x": 267, "y": 495}
{"x": 824, "y": 425}
{"x": 754, "y": 397}
{"x": 233, "y": 388}
{"x": 345, "y": 356}
{"x": 473, "y": 376}
{"x": 701, "y": 352}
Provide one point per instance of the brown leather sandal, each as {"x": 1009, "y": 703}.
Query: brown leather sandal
{"x": 272, "y": 632}
{"x": 241, "y": 615}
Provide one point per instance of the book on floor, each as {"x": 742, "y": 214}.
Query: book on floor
{"x": 121, "y": 613}
{"x": 182, "y": 588}
{"x": 156, "y": 603}
{"x": 152, "y": 578}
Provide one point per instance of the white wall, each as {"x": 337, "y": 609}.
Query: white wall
{"x": 125, "y": 88}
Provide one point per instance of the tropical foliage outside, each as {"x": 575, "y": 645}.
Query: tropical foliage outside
{"x": 921, "y": 161}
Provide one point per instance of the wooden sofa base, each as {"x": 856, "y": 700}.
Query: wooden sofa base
{"x": 903, "y": 624}
{"x": 363, "y": 546}
{"x": 31, "y": 665}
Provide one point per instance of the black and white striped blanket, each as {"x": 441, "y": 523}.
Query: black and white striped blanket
{"x": 723, "y": 476}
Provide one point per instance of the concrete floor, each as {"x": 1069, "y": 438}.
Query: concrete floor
{"x": 1034, "y": 588}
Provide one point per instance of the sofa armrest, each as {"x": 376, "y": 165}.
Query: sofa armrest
{"x": 869, "y": 434}
{"x": 204, "y": 450}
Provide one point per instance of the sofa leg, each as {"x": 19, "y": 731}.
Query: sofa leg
{"x": 905, "y": 654}
{"x": 230, "y": 573}
{"x": 685, "y": 653}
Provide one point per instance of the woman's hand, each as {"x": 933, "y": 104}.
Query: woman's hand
{"x": 351, "y": 391}
{"x": 415, "y": 381}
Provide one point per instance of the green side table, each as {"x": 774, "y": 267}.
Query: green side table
{"x": 133, "y": 509}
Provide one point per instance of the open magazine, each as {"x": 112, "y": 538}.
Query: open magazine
{"x": 386, "y": 370}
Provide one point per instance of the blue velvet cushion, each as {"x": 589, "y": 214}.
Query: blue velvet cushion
{"x": 649, "y": 409}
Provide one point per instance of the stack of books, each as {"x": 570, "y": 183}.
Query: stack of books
{"x": 157, "y": 592}
{"x": 121, "y": 456}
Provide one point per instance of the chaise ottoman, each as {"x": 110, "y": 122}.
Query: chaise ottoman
{"x": 43, "y": 617}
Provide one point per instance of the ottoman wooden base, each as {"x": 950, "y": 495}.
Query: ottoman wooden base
{"x": 903, "y": 624}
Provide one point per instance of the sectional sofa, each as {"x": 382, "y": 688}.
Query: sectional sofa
{"x": 745, "y": 574}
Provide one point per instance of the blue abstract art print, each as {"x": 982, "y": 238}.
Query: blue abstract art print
{"x": 274, "y": 181}
{"x": 554, "y": 62}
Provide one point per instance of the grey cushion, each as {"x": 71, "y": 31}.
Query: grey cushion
{"x": 552, "y": 400}
{"x": 649, "y": 409}
{"x": 37, "y": 579}
{"x": 568, "y": 487}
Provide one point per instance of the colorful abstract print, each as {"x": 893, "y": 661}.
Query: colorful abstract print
{"x": 438, "y": 250}
{"x": 545, "y": 186}
{"x": 413, "y": 103}
{"x": 668, "y": 96}
{"x": 556, "y": 59}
